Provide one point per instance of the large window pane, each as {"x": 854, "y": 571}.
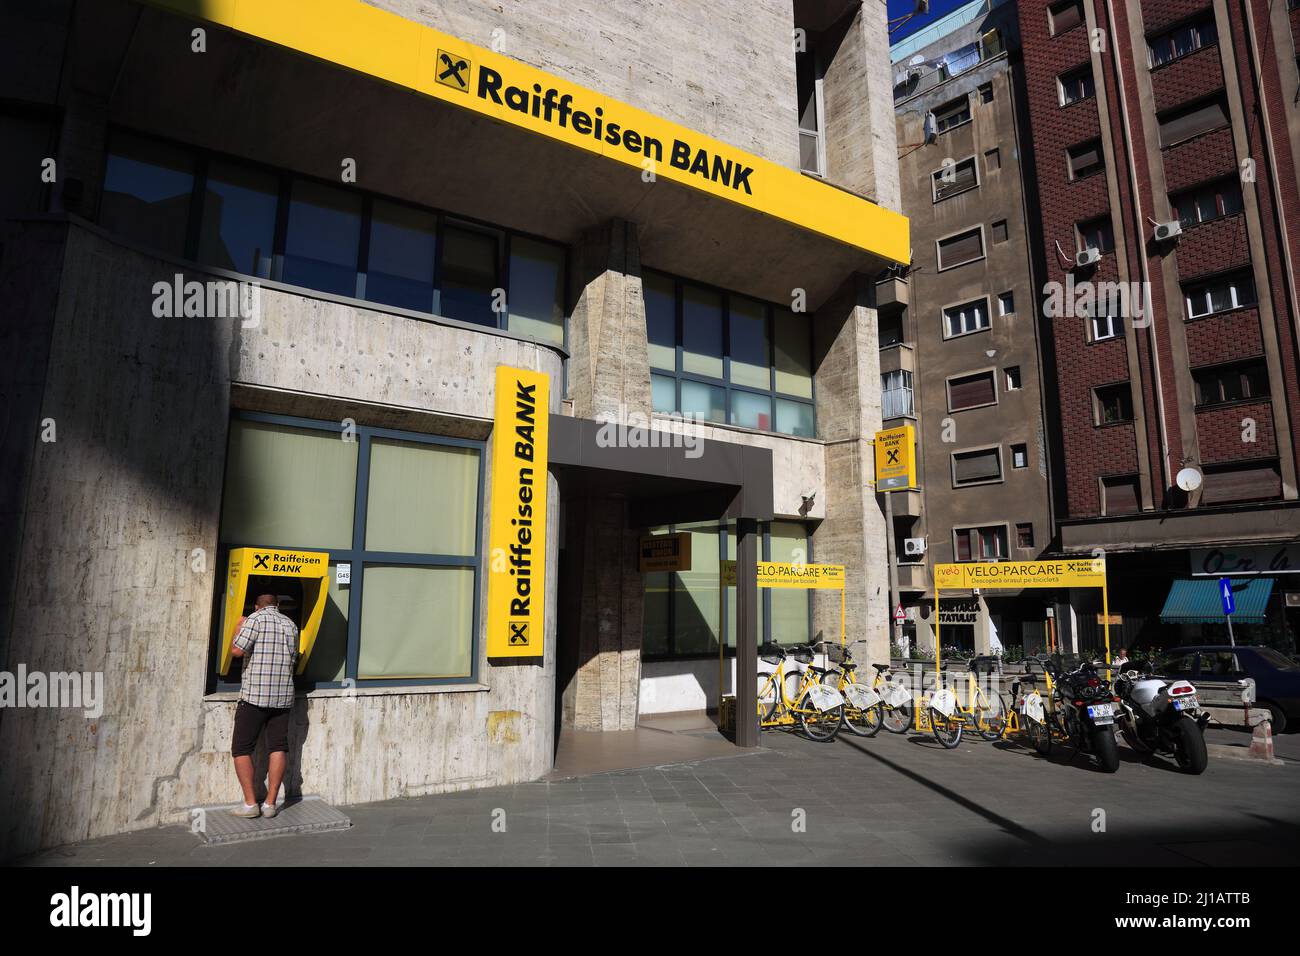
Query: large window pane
{"x": 793, "y": 354}
{"x": 288, "y": 487}
{"x": 147, "y": 190}
{"x": 701, "y": 331}
{"x": 794, "y": 418}
{"x": 536, "y": 303}
{"x": 323, "y": 239}
{"x": 655, "y": 623}
{"x": 416, "y": 622}
{"x": 696, "y": 610}
{"x": 399, "y": 269}
{"x": 329, "y": 655}
{"x": 789, "y": 542}
{"x": 238, "y": 228}
{"x": 751, "y": 411}
{"x": 751, "y": 358}
{"x": 422, "y": 499}
{"x": 660, "y": 320}
{"x": 663, "y": 391}
{"x": 470, "y": 275}
{"x": 707, "y": 402}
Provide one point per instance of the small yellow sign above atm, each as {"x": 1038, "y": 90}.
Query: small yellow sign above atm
{"x": 309, "y": 567}
{"x": 896, "y": 458}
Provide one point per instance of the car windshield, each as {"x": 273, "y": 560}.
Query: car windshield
{"x": 1276, "y": 659}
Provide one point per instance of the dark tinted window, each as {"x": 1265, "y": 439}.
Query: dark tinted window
{"x": 147, "y": 190}
{"x": 399, "y": 269}
{"x": 238, "y": 228}
{"x": 324, "y": 238}
{"x": 470, "y": 273}
{"x": 536, "y": 290}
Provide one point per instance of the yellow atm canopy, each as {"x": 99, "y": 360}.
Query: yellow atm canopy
{"x": 311, "y": 568}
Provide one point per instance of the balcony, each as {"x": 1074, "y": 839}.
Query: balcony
{"x": 913, "y": 577}
{"x": 897, "y": 357}
{"x": 896, "y": 403}
{"x": 892, "y": 293}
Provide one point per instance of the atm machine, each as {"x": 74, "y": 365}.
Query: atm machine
{"x": 303, "y": 575}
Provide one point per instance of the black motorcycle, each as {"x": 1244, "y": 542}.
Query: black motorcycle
{"x": 1086, "y": 710}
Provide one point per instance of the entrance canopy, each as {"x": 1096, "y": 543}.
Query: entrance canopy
{"x": 1198, "y": 602}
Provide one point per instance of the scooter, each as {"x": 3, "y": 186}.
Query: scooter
{"x": 1163, "y": 718}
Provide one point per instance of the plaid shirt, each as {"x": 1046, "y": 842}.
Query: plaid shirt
{"x": 269, "y": 641}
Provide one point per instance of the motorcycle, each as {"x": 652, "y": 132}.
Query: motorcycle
{"x": 1163, "y": 718}
{"x": 1087, "y": 709}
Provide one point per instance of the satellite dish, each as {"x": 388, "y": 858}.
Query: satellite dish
{"x": 1189, "y": 479}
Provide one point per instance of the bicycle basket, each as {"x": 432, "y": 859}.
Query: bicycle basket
{"x": 802, "y": 654}
{"x": 834, "y": 653}
{"x": 770, "y": 654}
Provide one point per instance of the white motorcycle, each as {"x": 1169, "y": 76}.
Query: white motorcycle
{"x": 1163, "y": 718}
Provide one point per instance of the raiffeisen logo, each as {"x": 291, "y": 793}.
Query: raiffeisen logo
{"x": 550, "y": 106}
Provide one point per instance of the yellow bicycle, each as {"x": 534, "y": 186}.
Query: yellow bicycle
{"x": 946, "y": 717}
{"x": 797, "y": 697}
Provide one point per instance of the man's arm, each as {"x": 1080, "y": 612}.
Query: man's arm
{"x": 245, "y": 639}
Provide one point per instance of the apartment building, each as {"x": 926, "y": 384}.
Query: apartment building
{"x": 460, "y": 240}
{"x": 1164, "y": 176}
{"x": 959, "y": 346}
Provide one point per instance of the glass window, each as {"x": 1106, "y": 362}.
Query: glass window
{"x": 751, "y": 411}
{"x": 147, "y": 190}
{"x": 794, "y": 375}
{"x": 536, "y": 305}
{"x": 663, "y": 392}
{"x": 1076, "y": 85}
{"x": 288, "y": 487}
{"x": 414, "y": 622}
{"x": 661, "y": 320}
{"x": 470, "y": 274}
{"x": 324, "y": 237}
{"x": 238, "y": 227}
{"x": 696, "y": 609}
{"x": 708, "y": 402}
{"x": 399, "y": 267}
{"x": 960, "y": 249}
{"x": 1114, "y": 403}
{"x": 1095, "y": 234}
{"x": 751, "y": 358}
{"x": 1020, "y": 456}
{"x": 411, "y": 484}
{"x": 794, "y": 418}
{"x": 788, "y": 542}
{"x": 701, "y": 331}
{"x": 970, "y": 317}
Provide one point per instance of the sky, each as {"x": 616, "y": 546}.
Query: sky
{"x": 938, "y": 8}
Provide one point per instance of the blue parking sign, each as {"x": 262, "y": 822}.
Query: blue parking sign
{"x": 1225, "y": 592}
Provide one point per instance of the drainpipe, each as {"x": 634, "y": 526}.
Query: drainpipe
{"x": 1142, "y": 258}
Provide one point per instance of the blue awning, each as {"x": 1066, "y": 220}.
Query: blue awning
{"x": 1198, "y": 601}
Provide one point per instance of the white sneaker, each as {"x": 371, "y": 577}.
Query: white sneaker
{"x": 269, "y": 810}
{"x": 249, "y": 811}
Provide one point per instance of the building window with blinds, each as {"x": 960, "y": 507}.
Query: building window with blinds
{"x": 981, "y": 466}
{"x": 972, "y": 391}
{"x": 954, "y": 178}
{"x": 400, "y": 510}
{"x": 964, "y": 247}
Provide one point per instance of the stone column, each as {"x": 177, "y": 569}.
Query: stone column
{"x": 609, "y": 373}
{"x": 847, "y": 362}
{"x": 609, "y": 378}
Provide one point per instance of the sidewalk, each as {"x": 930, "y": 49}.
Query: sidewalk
{"x": 887, "y": 800}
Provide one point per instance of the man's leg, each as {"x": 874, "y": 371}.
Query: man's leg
{"x": 274, "y": 775}
{"x": 248, "y": 724}
{"x": 277, "y": 747}
{"x": 244, "y": 771}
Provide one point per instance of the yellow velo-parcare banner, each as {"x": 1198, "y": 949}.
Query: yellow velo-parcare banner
{"x": 783, "y": 574}
{"x": 517, "y": 521}
{"x": 360, "y": 36}
{"x": 1065, "y": 573}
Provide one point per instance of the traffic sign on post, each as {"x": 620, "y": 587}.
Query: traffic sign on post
{"x": 899, "y": 616}
{"x": 1225, "y": 594}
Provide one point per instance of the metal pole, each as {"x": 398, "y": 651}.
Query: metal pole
{"x": 1231, "y": 639}
{"x": 1105, "y": 614}
{"x": 892, "y": 554}
{"x": 746, "y": 632}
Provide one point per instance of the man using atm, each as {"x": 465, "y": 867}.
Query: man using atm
{"x": 268, "y": 644}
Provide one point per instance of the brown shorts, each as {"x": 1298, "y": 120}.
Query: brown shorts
{"x": 249, "y": 721}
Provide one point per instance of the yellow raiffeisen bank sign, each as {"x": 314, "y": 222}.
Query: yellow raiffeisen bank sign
{"x": 1072, "y": 573}
{"x": 517, "y": 526}
{"x": 361, "y": 37}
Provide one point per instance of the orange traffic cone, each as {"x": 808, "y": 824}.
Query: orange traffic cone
{"x": 1261, "y": 741}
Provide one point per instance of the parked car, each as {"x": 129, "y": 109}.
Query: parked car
{"x": 1276, "y": 676}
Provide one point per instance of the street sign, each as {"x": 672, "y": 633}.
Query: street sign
{"x": 1225, "y": 594}
{"x": 899, "y": 616}
{"x": 896, "y": 458}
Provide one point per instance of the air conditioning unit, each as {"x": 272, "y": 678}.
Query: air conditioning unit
{"x": 1168, "y": 230}
{"x": 1088, "y": 257}
{"x": 913, "y": 547}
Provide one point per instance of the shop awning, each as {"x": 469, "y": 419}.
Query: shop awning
{"x": 1198, "y": 602}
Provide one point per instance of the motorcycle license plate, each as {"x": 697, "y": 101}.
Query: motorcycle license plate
{"x": 1102, "y": 713}
{"x": 1186, "y": 702}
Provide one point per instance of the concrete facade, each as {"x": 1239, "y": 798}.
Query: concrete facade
{"x": 114, "y": 524}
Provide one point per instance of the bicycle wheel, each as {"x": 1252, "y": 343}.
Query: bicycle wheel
{"x": 947, "y": 730}
{"x": 1040, "y": 736}
{"x": 821, "y": 726}
{"x": 769, "y": 696}
{"x": 897, "y": 720}
{"x": 992, "y": 716}
{"x": 864, "y": 723}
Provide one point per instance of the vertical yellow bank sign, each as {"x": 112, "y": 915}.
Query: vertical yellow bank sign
{"x": 517, "y": 527}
